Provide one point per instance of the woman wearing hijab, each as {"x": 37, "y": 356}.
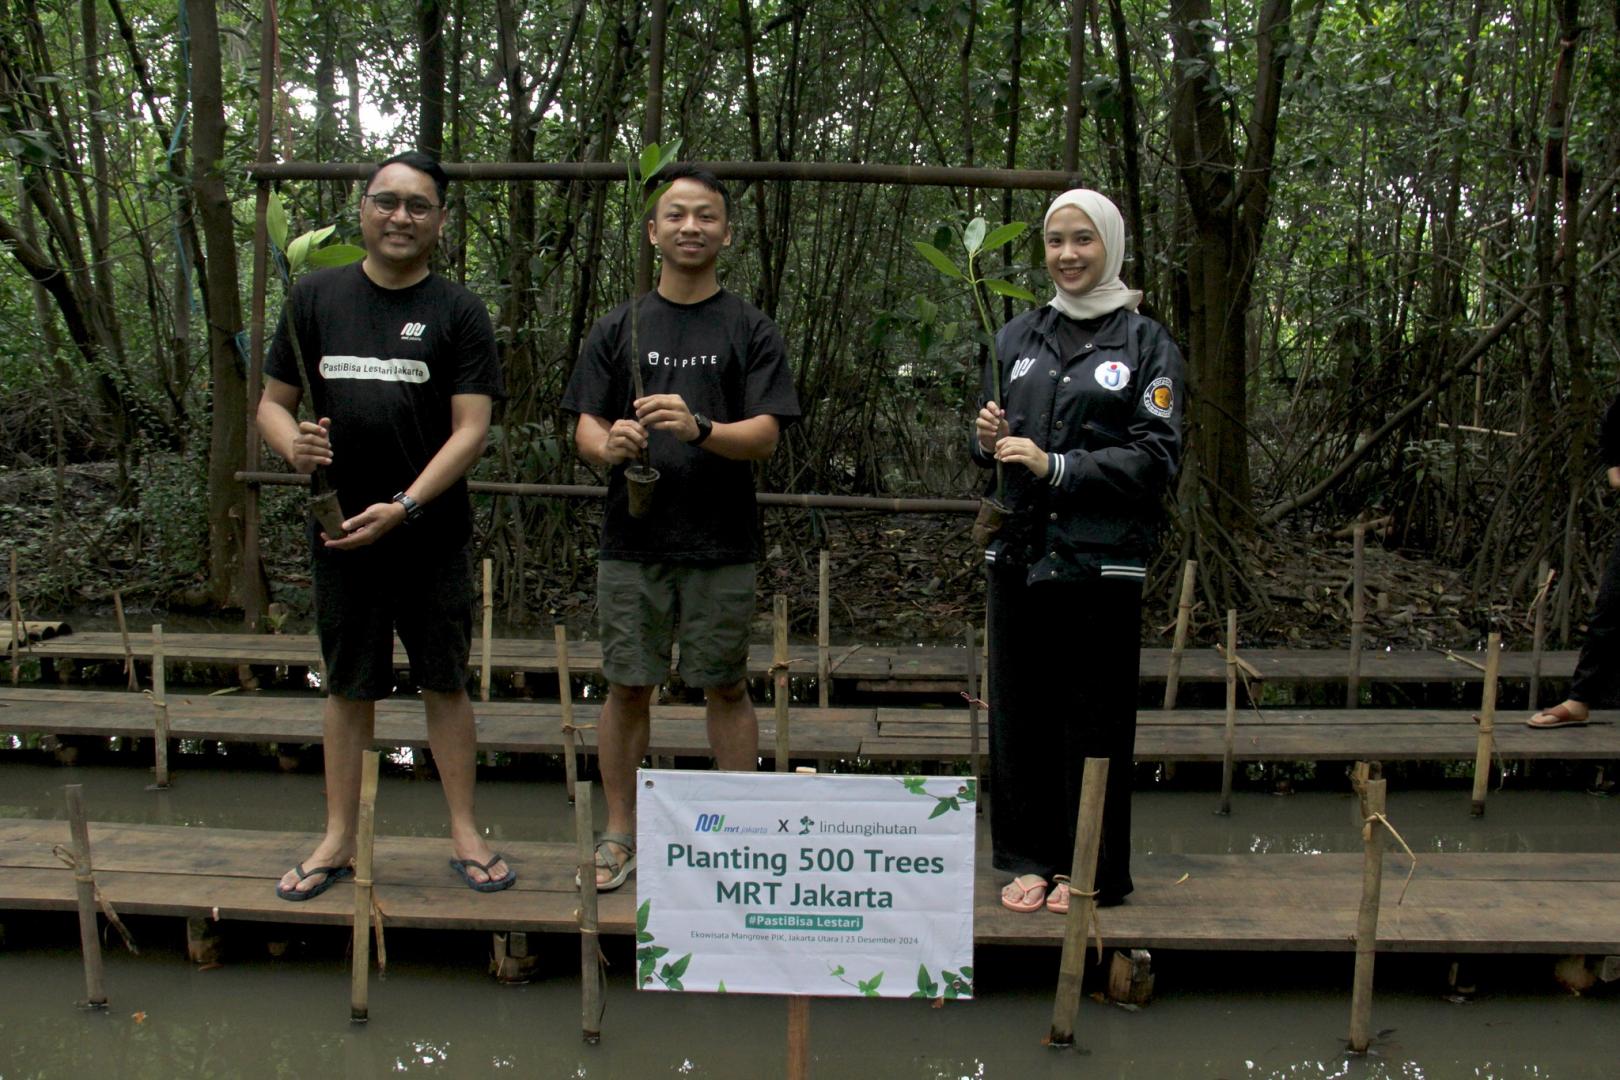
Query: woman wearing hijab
{"x": 1087, "y": 427}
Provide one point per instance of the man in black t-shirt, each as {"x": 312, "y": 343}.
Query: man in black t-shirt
{"x": 718, "y": 391}
{"x": 402, "y": 367}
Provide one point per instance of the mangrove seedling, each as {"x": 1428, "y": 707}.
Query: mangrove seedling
{"x": 306, "y": 250}
{"x": 977, "y": 239}
{"x": 640, "y": 171}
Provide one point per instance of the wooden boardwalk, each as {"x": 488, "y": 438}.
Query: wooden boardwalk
{"x": 866, "y": 668}
{"x": 833, "y": 734}
{"x": 1475, "y": 903}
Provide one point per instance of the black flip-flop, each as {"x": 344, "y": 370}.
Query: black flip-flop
{"x": 493, "y": 884}
{"x": 333, "y": 874}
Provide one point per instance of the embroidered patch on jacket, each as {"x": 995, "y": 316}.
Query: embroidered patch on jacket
{"x": 1112, "y": 375}
{"x": 1159, "y": 397}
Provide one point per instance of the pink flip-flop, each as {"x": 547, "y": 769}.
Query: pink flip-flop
{"x": 1024, "y": 898}
{"x": 1557, "y": 716}
{"x": 1058, "y": 899}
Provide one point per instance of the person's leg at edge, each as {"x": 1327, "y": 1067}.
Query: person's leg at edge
{"x": 1596, "y": 669}
{"x": 453, "y": 736}
{"x": 733, "y": 726}
{"x": 347, "y": 731}
{"x": 622, "y": 735}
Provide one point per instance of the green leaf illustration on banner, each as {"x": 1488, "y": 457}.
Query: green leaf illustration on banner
{"x": 926, "y": 986}
{"x": 958, "y": 984}
{"x": 966, "y": 792}
{"x": 869, "y": 987}
{"x": 648, "y": 955}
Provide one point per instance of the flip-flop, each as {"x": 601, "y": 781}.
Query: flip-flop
{"x": 491, "y": 882}
{"x": 1024, "y": 899}
{"x": 1561, "y": 717}
{"x": 618, "y": 871}
{"x": 1057, "y": 899}
{"x": 334, "y": 874}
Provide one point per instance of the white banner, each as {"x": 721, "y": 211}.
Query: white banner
{"x": 775, "y": 883}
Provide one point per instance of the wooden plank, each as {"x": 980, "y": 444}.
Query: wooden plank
{"x": 1474, "y": 903}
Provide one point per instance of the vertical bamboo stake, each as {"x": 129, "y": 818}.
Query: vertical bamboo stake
{"x": 1358, "y": 617}
{"x": 123, "y": 635}
{"x": 1487, "y": 724}
{"x": 798, "y": 1037}
{"x": 364, "y": 843}
{"x": 973, "y": 699}
{"x": 1231, "y": 712}
{"x": 779, "y": 682}
{"x": 824, "y": 627}
{"x": 16, "y": 624}
{"x": 489, "y": 622}
{"x": 1172, "y": 678}
{"x": 565, "y": 696}
{"x": 590, "y": 953}
{"x": 1082, "y": 905}
{"x": 85, "y": 885}
{"x": 160, "y": 709}
{"x": 1544, "y": 576}
{"x": 1372, "y": 879}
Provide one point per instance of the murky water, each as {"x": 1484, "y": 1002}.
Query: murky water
{"x": 437, "y": 1013}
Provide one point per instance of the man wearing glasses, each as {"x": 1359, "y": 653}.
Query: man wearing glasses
{"x": 403, "y": 369}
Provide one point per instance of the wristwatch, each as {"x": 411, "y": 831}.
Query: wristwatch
{"x": 705, "y": 427}
{"x": 413, "y": 509}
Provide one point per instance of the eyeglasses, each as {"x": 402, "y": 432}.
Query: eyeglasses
{"x": 386, "y": 202}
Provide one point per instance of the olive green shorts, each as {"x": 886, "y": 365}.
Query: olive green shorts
{"x": 642, "y": 608}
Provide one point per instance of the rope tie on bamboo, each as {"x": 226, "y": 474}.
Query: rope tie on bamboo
{"x": 1541, "y": 595}
{"x": 72, "y": 863}
{"x": 971, "y": 700}
{"x": 851, "y": 651}
{"x": 782, "y": 665}
{"x": 1496, "y": 751}
{"x": 377, "y": 914}
{"x": 591, "y": 932}
{"x": 1367, "y": 823}
{"x": 1093, "y": 926}
{"x": 578, "y": 727}
{"x": 1243, "y": 668}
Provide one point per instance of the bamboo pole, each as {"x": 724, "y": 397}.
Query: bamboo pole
{"x": 1172, "y": 679}
{"x": 364, "y": 844}
{"x": 1358, "y": 617}
{"x": 779, "y": 682}
{"x": 1230, "y": 740}
{"x": 489, "y": 623}
{"x": 824, "y": 627}
{"x": 798, "y": 1037}
{"x": 590, "y": 953}
{"x": 1082, "y": 905}
{"x": 1372, "y": 879}
{"x": 972, "y": 637}
{"x": 85, "y": 890}
{"x": 565, "y": 696}
{"x": 1544, "y": 577}
{"x": 16, "y": 624}
{"x": 160, "y": 710}
{"x": 1487, "y": 724}
{"x": 123, "y": 635}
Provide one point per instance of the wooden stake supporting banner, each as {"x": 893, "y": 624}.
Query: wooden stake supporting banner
{"x": 565, "y": 696}
{"x": 160, "y": 709}
{"x": 123, "y": 636}
{"x": 1172, "y": 679}
{"x": 85, "y": 891}
{"x": 1372, "y": 879}
{"x": 1487, "y": 724}
{"x": 1358, "y": 617}
{"x": 1229, "y": 741}
{"x": 973, "y": 698}
{"x": 779, "y": 681}
{"x": 798, "y": 1037}
{"x": 592, "y": 984}
{"x": 1538, "y": 641}
{"x": 1082, "y": 904}
{"x": 365, "y": 838}
{"x": 489, "y": 621}
{"x": 824, "y": 627}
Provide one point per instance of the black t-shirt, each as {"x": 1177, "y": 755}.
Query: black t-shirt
{"x": 726, "y": 360}
{"x": 383, "y": 364}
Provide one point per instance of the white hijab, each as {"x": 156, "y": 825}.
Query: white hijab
{"x": 1110, "y": 293}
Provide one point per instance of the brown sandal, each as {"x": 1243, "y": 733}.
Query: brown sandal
{"x": 1555, "y": 717}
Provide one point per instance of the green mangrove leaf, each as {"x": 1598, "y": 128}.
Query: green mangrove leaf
{"x": 1007, "y": 288}
{"x": 938, "y": 259}
{"x": 652, "y": 199}
{"x": 973, "y": 236}
{"x": 667, "y": 155}
{"x": 1003, "y": 234}
{"x": 297, "y": 252}
{"x": 336, "y": 255}
{"x": 275, "y": 222}
{"x": 648, "y": 163}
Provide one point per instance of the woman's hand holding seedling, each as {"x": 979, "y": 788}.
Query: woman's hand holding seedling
{"x": 1021, "y": 451}
{"x": 991, "y": 426}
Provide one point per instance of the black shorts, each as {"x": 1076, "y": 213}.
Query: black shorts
{"x": 363, "y": 597}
